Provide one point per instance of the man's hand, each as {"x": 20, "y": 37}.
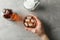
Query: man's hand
{"x": 38, "y": 29}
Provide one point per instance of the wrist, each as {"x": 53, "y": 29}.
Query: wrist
{"x": 40, "y": 33}
{"x": 44, "y": 37}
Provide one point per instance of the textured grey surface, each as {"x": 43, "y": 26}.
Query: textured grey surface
{"x": 49, "y": 13}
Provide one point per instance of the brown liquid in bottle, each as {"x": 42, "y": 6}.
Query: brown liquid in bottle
{"x": 16, "y": 17}
{"x": 7, "y": 16}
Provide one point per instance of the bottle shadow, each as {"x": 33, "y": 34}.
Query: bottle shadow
{"x": 40, "y": 8}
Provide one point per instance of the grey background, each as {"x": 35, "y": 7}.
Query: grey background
{"x": 48, "y": 12}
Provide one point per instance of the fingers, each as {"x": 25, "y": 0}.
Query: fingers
{"x": 30, "y": 29}
{"x": 38, "y": 21}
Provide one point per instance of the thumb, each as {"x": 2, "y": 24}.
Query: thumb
{"x": 30, "y": 29}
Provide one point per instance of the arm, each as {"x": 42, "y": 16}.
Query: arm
{"x": 44, "y": 37}
{"x": 39, "y": 29}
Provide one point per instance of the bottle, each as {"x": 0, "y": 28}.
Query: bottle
{"x": 10, "y": 15}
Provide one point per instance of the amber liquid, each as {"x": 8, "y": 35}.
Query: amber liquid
{"x": 16, "y": 17}
{"x": 7, "y": 16}
{"x": 13, "y": 17}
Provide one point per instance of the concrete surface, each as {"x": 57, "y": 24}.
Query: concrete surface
{"x": 48, "y": 13}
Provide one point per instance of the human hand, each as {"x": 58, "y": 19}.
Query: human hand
{"x": 39, "y": 29}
